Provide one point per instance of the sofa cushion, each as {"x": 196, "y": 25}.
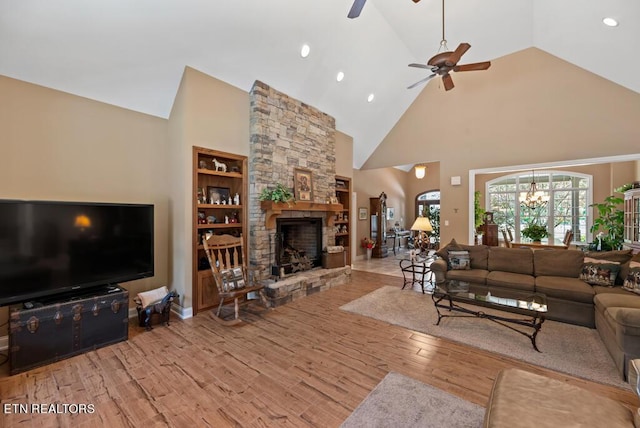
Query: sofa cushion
{"x": 459, "y": 260}
{"x": 517, "y": 281}
{"x": 515, "y": 260}
{"x": 558, "y": 263}
{"x": 443, "y": 252}
{"x": 619, "y": 290}
{"x": 479, "y": 255}
{"x": 620, "y": 256}
{"x": 599, "y": 272}
{"x": 565, "y": 288}
{"x": 477, "y": 276}
{"x": 619, "y": 300}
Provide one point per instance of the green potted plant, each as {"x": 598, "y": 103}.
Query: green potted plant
{"x": 535, "y": 232}
{"x": 278, "y": 194}
{"x": 611, "y": 221}
{"x": 479, "y": 211}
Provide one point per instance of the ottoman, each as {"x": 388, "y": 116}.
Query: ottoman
{"x": 521, "y": 399}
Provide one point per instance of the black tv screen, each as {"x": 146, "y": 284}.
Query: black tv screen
{"x": 50, "y": 248}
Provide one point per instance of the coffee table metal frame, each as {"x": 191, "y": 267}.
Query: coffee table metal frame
{"x": 533, "y": 309}
{"x": 418, "y": 269}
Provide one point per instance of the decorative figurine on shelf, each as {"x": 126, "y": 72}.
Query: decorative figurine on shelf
{"x": 219, "y": 166}
{"x": 236, "y": 199}
{"x": 202, "y": 164}
{"x": 230, "y": 200}
{"x": 236, "y": 218}
{"x": 201, "y": 218}
{"x": 211, "y": 219}
{"x": 226, "y": 219}
{"x": 224, "y": 202}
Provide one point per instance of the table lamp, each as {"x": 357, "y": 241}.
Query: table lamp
{"x": 422, "y": 225}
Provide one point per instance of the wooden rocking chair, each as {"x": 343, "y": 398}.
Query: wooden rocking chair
{"x": 231, "y": 275}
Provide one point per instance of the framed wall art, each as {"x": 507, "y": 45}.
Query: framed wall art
{"x": 302, "y": 184}
{"x": 362, "y": 213}
{"x": 218, "y": 195}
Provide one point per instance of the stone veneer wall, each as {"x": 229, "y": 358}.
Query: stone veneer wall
{"x": 285, "y": 134}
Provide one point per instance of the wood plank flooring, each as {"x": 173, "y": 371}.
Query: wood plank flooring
{"x": 303, "y": 364}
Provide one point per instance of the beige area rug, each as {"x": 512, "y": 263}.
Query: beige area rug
{"x": 566, "y": 348}
{"x": 400, "y": 401}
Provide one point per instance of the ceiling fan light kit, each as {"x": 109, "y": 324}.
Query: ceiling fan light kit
{"x": 446, "y": 61}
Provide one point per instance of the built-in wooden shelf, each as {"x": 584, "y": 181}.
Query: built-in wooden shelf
{"x": 274, "y": 209}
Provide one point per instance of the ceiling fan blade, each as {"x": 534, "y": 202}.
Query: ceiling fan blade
{"x": 356, "y": 8}
{"x": 422, "y": 81}
{"x": 455, "y": 56}
{"x": 473, "y": 67}
{"x": 428, "y": 67}
{"x": 448, "y": 82}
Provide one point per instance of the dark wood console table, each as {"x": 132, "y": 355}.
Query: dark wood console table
{"x": 397, "y": 236}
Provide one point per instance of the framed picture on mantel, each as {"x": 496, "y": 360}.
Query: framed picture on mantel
{"x": 303, "y": 184}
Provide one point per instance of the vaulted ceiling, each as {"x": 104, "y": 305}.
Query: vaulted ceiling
{"x": 132, "y": 53}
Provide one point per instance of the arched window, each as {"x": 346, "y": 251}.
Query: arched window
{"x": 569, "y": 194}
{"x": 428, "y": 205}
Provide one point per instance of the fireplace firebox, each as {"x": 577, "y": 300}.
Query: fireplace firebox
{"x": 298, "y": 245}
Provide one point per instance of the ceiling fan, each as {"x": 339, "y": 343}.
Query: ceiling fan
{"x": 357, "y": 8}
{"x": 447, "y": 61}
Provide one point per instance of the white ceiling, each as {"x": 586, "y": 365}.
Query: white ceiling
{"x": 132, "y": 53}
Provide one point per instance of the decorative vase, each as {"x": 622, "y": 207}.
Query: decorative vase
{"x": 369, "y": 251}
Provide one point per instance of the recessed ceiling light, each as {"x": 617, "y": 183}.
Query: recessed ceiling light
{"x": 610, "y": 22}
{"x": 304, "y": 52}
{"x": 340, "y": 76}
{"x": 370, "y": 98}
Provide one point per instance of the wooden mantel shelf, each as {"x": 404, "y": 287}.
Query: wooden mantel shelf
{"x": 274, "y": 209}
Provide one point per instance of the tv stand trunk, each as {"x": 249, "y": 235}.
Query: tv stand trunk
{"x": 62, "y": 327}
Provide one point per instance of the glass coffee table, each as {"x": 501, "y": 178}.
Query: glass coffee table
{"x": 451, "y": 294}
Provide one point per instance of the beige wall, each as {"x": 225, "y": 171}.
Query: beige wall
{"x": 344, "y": 155}
{"x": 401, "y": 188}
{"x": 207, "y": 113}
{"x": 56, "y": 146}
{"x": 528, "y": 108}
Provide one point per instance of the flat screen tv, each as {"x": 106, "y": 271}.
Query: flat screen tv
{"x": 50, "y": 248}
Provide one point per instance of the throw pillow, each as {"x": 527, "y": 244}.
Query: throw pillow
{"x": 599, "y": 272}
{"x": 459, "y": 260}
{"x": 632, "y": 281}
{"x": 232, "y": 279}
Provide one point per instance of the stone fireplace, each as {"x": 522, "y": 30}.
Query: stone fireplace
{"x": 288, "y": 134}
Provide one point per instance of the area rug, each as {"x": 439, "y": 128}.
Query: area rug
{"x": 566, "y": 348}
{"x": 400, "y": 401}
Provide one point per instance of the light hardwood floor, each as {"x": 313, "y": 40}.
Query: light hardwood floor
{"x": 303, "y": 364}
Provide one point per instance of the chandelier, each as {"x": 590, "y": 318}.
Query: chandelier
{"x": 533, "y": 198}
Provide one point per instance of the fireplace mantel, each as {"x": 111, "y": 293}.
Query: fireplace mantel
{"x": 274, "y": 209}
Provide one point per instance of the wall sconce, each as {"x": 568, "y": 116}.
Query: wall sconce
{"x": 421, "y": 171}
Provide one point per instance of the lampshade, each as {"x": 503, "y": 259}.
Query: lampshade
{"x": 422, "y": 224}
{"x": 82, "y": 221}
{"x": 421, "y": 171}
